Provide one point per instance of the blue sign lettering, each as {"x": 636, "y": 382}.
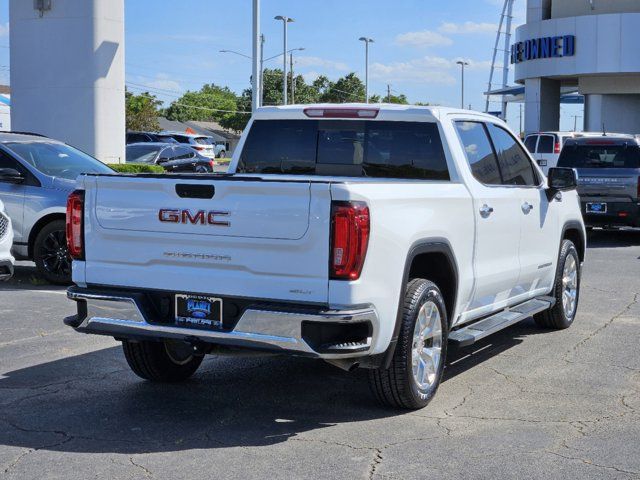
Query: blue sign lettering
{"x": 545, "y": 47}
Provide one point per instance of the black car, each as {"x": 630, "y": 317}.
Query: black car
{"x": 146, "y": 137}
{"x": 171, "y": 157}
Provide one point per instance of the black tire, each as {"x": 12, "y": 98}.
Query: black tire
{"x": 395, "y": 386}
{"x": 556, "y": 317}
{"x": 51, "y": 255}
{"x": 153, "y": 361}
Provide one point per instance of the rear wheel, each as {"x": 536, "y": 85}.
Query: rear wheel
{"x": 417, "y": 365}
{"x": 566, "y": 290}
{"x": 51, "y": 255}
{"x": 161, "y": 361}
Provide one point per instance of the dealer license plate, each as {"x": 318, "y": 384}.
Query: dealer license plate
{"x": 596, "y": 208}
{"x": 197, "y": 311}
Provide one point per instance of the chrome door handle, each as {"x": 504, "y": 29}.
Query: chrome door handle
{"x": 486, "y": 210}
{"x": 526, "y": 207}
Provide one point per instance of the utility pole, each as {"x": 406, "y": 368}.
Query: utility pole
{"x": 366, "y": 41}
{"x": 260, "y": 99}
{"x": 256, "y": 77}
{"x": 388, "y": 93}
{"x": 285, "y": 21}
{"x": 463, "y": 64}
{"x": 520, "y": 131}
{"x": 575, "y": 122}
{"x": 293, "y": 79}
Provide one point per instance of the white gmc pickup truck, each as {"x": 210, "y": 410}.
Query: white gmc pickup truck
{"x": 365, "y": 235}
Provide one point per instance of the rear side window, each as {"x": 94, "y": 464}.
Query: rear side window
{"x": 480, "y": 155}
{"x": 515, "y": 165}
{"x": 356, "y": 148}
{"x": 546, "y": 144}
{"x": 202, "y": 141}
{"x": 530, "y": 143}
{"x": 600, "y": 156}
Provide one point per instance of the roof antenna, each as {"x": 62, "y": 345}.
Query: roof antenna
{"x": 604, "y": 132}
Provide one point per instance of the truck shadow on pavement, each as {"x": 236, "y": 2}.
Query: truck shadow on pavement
{"x": 613, "y": 238}
{"x": 93, "y": 403}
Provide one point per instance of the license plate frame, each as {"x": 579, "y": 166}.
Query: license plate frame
{"x": 198, "y": 311}
{"x": 596, "y": 207}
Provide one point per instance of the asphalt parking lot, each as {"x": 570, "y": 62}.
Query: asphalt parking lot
{"x": 524, "y": 404}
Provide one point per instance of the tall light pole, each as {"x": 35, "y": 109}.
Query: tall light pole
{"x": 366, "y": 41}
{"x": 256, "y": 72}
{"x": 463, "y": 64}
{"x": 285, "y": 21}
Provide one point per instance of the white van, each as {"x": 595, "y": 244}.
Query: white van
{"x": 545, "y": 147}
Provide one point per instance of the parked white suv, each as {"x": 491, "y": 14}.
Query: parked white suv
{"x": 6, "y": 240}
{"x": 367, "y": 236}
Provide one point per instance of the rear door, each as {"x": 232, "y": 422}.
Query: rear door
{"x": 496, "y": 260}
{"x": 546, "y": 155}
{"x": 12, "y": 195}
{"x": 538, "y": 218}
{"x": 246, "y": 236}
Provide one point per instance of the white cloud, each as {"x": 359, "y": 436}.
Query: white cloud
{"x": 425, "y": 38}
{"x": 305, "y": 61}
{"x": 468, "y": 27}
{"x": 163, "y": 82}
{"x": 428, "y": 69}
{"x": 4, "y": 29}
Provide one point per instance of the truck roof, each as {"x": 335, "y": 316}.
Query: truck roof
{"x": 385, "y": 111}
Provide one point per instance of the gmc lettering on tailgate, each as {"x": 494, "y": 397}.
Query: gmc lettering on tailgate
{"x": 201, "y": 217}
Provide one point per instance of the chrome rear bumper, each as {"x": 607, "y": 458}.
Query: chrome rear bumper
{"x": 122, "y": 317}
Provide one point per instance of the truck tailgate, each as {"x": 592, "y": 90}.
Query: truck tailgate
{"x": 229, "y": 236}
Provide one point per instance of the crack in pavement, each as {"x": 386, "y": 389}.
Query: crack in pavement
{"x": 147, "y": 473}
{"x": 603, "y": 327}
{"x": 592, "y": 464}
{"x": 377, "y": 460}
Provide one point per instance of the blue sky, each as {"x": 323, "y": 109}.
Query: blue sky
{"x": 174, "y": 46}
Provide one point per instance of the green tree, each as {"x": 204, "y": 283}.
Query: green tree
{"x": 401, "y": 99}
{"x": 346, "y": 89}
{"x": 238, "y": 120}
{"x": 141, "y": 111}
{"x": 210, "y": 103}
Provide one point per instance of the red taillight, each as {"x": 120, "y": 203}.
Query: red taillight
{"x": 349, "y": 239}
{"x": 556, "y": 148}
{"x": 212, "y": 163}
{"x": 75, "y": 214}
{"x": 341, "y": 112}
{"x": 198, "y": 147}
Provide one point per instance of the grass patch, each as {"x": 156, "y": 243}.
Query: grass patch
{"x": 136, "y": 168}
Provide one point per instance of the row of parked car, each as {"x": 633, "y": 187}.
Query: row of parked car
{"x": 608, "y": 166}
{"x": 36, "y": 176}
{"x": 203, "y": 144}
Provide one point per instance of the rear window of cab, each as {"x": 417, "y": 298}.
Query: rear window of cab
{"x": 354, "y": 148}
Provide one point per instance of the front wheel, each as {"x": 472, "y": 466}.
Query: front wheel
{"x": 161, "y": 361}
{"x": 417, "y": 365}
{"x": 566, "y": 290}
{"x": 51, "y": 255}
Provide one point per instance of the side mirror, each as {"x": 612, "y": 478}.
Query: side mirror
{"x": 10, "y": 175}
{"x": 562, "y": 178}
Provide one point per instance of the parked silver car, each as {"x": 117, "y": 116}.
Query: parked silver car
{"x": 609, "y": 178}
{"x": 36, "y": 176}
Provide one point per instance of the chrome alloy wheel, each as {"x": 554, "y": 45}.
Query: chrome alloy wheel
{"x": 426, "y": 352}
{"x": 569, "y": 286}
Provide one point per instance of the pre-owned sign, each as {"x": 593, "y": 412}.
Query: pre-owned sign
{"x": 546, "y": 47}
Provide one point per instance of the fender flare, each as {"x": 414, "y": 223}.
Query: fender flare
{"x": 575, "y": 225}
{"x": 430, "y": 245}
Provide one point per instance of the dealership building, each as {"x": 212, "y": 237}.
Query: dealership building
{"x": 588, "y": 47}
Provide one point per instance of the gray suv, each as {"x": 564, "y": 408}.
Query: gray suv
{"x": 36, "y": 176}
{"x": 608, "y": 178}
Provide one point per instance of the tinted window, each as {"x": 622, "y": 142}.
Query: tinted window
{"x": 136, "y": 137}
{"x": 600, "y": 156}
{"x": 515, "y": 166}
{"x": 479, "y": 152}
{"x": 345, "y": 148}
{"x": 57, "y": 159}
{"x": 165, "y": 139}
{"x": 7, "y": 162}
{"x": 183, "y": 152}
{"x": 546, "y": 144}
{"x": 530, "y": 143}
{"x": 141, "y": 153}
{"x": 181, "y": 138}
{"x": 202, "y": 141}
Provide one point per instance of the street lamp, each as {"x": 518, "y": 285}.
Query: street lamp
{"x": 285, "y": 21}
{"x": 463, "y": 64}
{"x": 366, "y": 41}
{"x": 236, "y": 53}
